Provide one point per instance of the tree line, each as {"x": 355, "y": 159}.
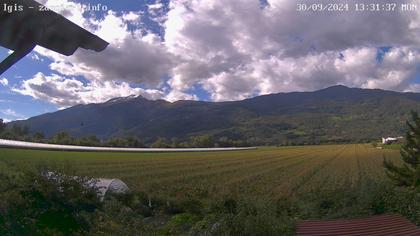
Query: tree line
{"x": 16, "y": 132}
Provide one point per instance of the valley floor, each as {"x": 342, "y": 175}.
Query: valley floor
{"x": 248, "y": 192}
{"x": 264, "y": 172}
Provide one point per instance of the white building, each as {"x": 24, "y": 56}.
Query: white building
{"x": 390, "y": 140}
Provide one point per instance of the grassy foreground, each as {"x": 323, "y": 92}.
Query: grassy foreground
{"x": 256, "y": 192}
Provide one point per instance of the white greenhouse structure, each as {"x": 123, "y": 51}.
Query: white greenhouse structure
{"x": 110, "y": 186}
{"x": 102, "y": 185}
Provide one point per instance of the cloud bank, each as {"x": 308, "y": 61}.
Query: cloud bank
{"x": 232, "y": 49}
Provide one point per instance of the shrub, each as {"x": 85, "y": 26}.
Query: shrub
{"x": 40, "y": 204}
{"x": 245, "y": 217}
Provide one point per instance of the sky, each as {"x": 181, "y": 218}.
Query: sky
{"x": 214, "y": 50}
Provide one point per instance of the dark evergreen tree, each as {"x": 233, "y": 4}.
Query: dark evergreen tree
{"x": 409, "y": 173}
{"x": 2, "y": 125}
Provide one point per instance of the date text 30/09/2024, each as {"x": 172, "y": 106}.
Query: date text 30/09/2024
{"x": 359, "y": 7}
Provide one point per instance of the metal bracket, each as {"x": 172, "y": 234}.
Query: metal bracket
{"x": 15, "y": 57}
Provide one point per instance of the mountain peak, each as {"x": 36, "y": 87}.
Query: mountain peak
{"x": 340, "y": 91}
{"x": 335, "y": 87}
{"x": 123, "y": 99}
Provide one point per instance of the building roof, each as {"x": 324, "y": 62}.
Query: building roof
{"x": 387, "y": 224}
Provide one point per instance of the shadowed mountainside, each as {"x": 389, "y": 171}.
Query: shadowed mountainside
{"x": 334, "y": 114}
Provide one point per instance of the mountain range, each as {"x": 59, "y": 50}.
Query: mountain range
{"x": 331, "y": 115}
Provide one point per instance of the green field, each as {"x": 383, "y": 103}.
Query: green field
{"x": 263, "y": 172}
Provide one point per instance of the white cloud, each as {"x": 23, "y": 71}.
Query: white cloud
{"x": 34, "y": 56}
{"x": 158, "y": 15}
{"x": 133, "y": 58}
{"x": 11, "y": 115}
{"x": 69, "y": 91}
{"x": 235, "y": 49}
{"x": 399, "y": 65}
{"x": 4, "y": 81}
{"x": 9, "y": 112}
{"x": 228, "y": 86}
{"x": 175, "y": 95}
{"x": 69, "y": 9}
{"x": 112, "y": 28}
{"x": 131, "y": 17}
{"x": 156, "y": 6}
{"x": 355, "y": 67}
{"x": 155, "y": 9}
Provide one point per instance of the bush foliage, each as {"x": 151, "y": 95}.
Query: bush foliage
{"x": 33, "y": 203}
{"x": 409, "y": 173}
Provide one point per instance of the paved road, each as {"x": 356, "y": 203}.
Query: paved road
{"x": 29, "y": 145}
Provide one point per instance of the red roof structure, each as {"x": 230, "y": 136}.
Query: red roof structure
{"x": 387, "y": 224}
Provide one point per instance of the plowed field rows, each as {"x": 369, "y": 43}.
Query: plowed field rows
{"x": 265, "y": 171}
